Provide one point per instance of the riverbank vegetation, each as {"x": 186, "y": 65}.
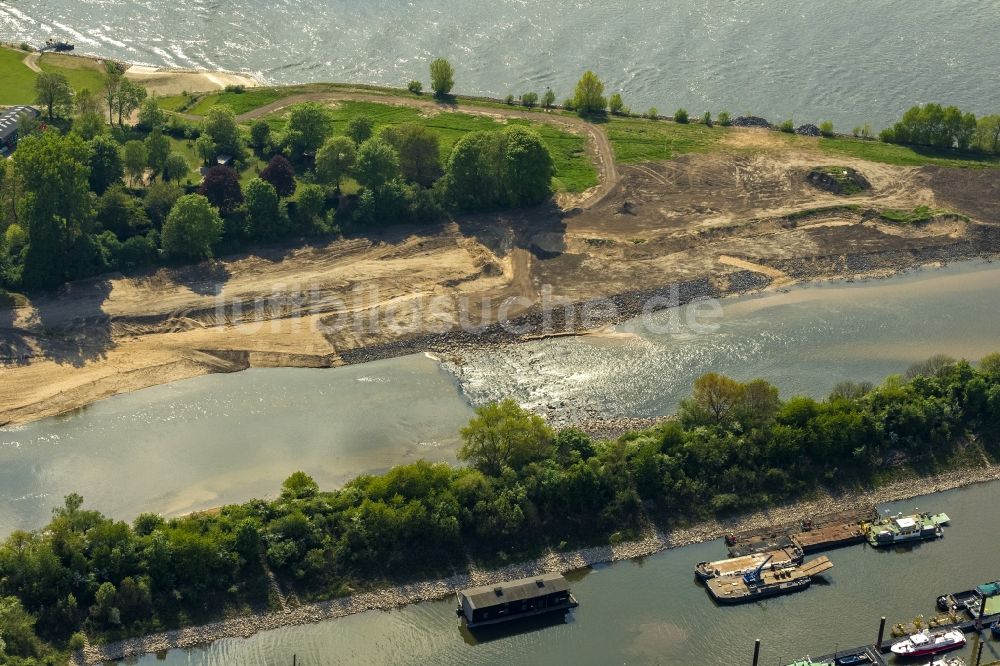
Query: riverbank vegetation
{"x": 734, "y": 446}
{"x": 82, "y": 196}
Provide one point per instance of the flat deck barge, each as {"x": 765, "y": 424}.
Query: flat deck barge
{"x": 737, "y": 566}
{"x": 747, "y": 588}
{"x": 812, "y": 534}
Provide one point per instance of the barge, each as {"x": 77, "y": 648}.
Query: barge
{"x": 761, "y": 584}
{"x": 527, "y": 597}
{"x": 737, "y": 566}
{"x": 810, "y": 535}
{"x": 896, "y": 529}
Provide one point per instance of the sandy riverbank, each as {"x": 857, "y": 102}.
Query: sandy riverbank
{"x": 395, "y": 597}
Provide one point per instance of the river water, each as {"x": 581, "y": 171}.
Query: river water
{"x": 850, "y": 61}
{"x": 653, "y": 612}
{"x": 225, "y": 438}
{"x": 217, "y": 439}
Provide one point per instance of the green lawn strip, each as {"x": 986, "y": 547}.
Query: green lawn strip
{"x": 82, "y": 73}
{"x": 239, "y": 102}
{"x": 917, "y": 215}
{"x": 17, "y": 82}
{"x": 639, "y": 140}
{"x": 889, "y": 153}
{"x": 574, "y": 171}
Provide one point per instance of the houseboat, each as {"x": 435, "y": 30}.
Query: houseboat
{"x": 492, "y": 604}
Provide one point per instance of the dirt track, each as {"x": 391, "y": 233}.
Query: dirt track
{"x": 715, "y": 223}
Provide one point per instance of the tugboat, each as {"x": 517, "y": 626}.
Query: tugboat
{"x": 900, "y": 529}
{"x": 926, "y": 643}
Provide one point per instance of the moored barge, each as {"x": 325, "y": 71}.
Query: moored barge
{"x": 762, "y": 584}
{"x": 737, "y": 566}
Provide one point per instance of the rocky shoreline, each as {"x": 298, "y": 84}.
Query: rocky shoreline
{"x": 651, "y": 543}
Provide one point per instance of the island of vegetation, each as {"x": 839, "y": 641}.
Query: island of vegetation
{"x": 525, "y": 489}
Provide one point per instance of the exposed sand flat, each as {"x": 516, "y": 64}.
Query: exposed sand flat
{"x": 164, "y": 82}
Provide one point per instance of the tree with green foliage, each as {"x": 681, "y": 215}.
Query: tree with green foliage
{"x": 724, "y": 119}
{"x": 151, "y": 116}
{"x": 490, "y": 169}
{"x": 17, "y": 632}
{"x": 529, "y": 99}
{"x": 205, "y": 148}
{"x": 589, "y": 95}
{"x": 52, "y": 90}
{"x": 119, "y": 212}
{"x": 220, "y": 126}
{"x": 128, "y": 98}
{"x": 548, "y": 99}
{"x": 442, "y": 77}
{"x": 55, "y": 176}
{"x": 788, "y": 126}
{"x": 265, "y": 217}
{"x": 335, "y": 160}
{"x": 681, "y": 116}
{"x": 309, "y": 206}
{"x": 106, "y": 167}
{"x": 933, "y": 125}
{"x": 309, "y": 125}
{"x": 527, "y": 167}
{"x": 615, "y": 104}
{"x": 260, "y": 135}
{"x": 503, "y": 435}
{"x": 160, "y": 198}
{"x": 706, "y": 119}
{"x": 415, "y": 87}
{"x": 89, "y": 121}
{"x": 377, "y": 163}
{"x": 114, "y": 74}
{"x": 826, "y": 128}
{"x": 987, "y": 136}
{"x": 359, "y": 129}
{"x": 175, "y": 168}
{"x": 419, "y": 152}
{"x": 192, "y": 228}
{"x": 136, "y": 159}
{"x": 157, "y": 151}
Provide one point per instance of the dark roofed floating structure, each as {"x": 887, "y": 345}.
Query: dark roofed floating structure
{"x": 9, "y": 122}
{"x": 492, "y": 604}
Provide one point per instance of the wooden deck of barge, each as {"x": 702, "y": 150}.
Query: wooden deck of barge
{"x": 831, "y": 536}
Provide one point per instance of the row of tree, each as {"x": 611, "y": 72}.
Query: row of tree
{"x": 945, "y": 127}
{"x": 734, "y": 446}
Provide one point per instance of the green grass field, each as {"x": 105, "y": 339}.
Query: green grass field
{"x": 641, "y": 140}
{"x": 888, "y": 153}
{"x": 82, "y": 73}
{"x": 17, "y": 82}
{"x": 574, "y": 171}
{"x": 250, "y": 99}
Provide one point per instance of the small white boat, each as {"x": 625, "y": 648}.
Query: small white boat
{"x": 926, "y": 643}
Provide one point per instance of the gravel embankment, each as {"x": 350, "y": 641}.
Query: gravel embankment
{"x": 653, "y": 542}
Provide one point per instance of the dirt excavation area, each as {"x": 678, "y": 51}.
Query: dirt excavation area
{"x": 741, "y": 217}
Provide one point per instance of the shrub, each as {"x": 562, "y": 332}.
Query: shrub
{"x": 568, "y": 104}
{"x": 653, "y": 113}
{"x": 681, "y": 116}
{"x": 415, "y": 87}
{"x": 509, "y": 99}
{"x": 237, "y": 88}
{"x": 707, "y": 119}
{"x": 723, "y": 119}
{"x": 788, "y": 126}
{"x": 826, "y": 128}
{"x": 529, "y": 99}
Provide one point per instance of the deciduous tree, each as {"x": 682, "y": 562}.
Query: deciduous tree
{"x": 504, "y": 435}
{"x": 106, "y": 167}
{"x": 442, "y": 77}
{"x": 221, "y": 187}
{"x": 192, "y": 228}
{"x": 359, "y": 129}
{"x": 52, "y": 90}
{"x": 377, "y": 164}
{"x": 280, "y": 173}
{"x": 335, "y": 160}
{"x": 589, "y": 95}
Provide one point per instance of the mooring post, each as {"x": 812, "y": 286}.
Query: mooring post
{"x": 756, "y": 652}
{"x": 982, "y": 612}
{"x": 295, "y": 658}
{"x": 881, "y": 634}
{"x": 979, "y": 655}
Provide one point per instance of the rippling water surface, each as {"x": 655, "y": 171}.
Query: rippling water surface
{"x": 850, "y": 61}
{"x": 805, "y": 341}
